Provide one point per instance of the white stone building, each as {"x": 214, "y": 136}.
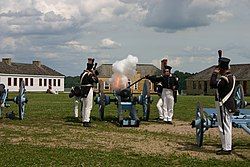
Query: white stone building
{"x": 37, "y": 77}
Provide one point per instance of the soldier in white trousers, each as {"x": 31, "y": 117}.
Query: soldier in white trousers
{"x": 87, "y": 107}
{"x": 169, "y": 85}
{"x": 168, "y": 104}
{"x": 226, "y": 138}
{"x": 87, "y": 79}
{"x": 224, "y": 82}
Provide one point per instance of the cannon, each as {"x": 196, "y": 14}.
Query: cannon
{"x": 125, "y": 101}
{"x": 20, "y": 100}
{"x": 206, "y": 118}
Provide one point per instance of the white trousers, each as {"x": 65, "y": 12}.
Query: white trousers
{"x": 77, "y": 101}
{"x": 159, "y": 106}
{"x": 168, "y": 104}
{"x": 3, "y": 97}
{"x": 87, "y": 104}
{"x": 226, "y": 138}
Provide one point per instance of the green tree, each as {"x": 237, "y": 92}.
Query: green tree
{"x": 182, "y": 76}
{"x": 70, "y": 81}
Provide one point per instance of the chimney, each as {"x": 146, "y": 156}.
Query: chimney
{"x": 6, "y": 61}
{"x": 37, "y": 63}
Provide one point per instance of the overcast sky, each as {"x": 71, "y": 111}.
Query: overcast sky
{"x": 63, "y": 33}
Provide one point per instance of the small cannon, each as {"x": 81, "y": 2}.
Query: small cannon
{"x": 125, "y": 101}
{"x": 206, "y": 118}
{"x": 20, "y": 100}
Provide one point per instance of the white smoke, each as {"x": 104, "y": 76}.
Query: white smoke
{"x": 122, "y": 71}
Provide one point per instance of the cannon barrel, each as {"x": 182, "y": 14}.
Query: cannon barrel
{"x": 125, "y": 93}
{"x": 136, "y": 82}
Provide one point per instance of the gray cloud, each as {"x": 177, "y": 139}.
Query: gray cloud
{"x": 52, "y": 17}
{"x": 120, "y": 11}
{"x": 29, "y": 12}
{"x": 63, "y": 33}
{"x": 171, "y": 16}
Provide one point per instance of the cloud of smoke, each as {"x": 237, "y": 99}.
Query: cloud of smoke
{"x": 122, "y": 71}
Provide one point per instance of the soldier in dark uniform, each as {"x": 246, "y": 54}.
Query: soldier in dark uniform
{"x": 169, "y": 85}
{"x": 87, "y": 79}
{"x": 224, "y": 82}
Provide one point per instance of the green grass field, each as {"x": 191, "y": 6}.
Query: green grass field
{"x": 50, "y": 136}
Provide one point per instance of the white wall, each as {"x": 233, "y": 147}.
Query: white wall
{"x": 36, "y": 87}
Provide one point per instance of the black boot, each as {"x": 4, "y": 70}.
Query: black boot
{"x": 86, "y": 124}
{"x": 224, "y": 152}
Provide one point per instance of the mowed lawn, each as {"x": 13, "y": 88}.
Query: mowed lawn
{"x": 50, "y": 136}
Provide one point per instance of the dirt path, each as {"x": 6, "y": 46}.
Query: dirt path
{"x": 182, "y": 147}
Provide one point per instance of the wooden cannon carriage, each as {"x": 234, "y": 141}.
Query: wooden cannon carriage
{"x": 206, "y": 118}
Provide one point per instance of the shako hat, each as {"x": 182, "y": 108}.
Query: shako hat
{"x": 224, "y": 63}
{"x": 90, "y": 63}
{"x": 167, "y": 67}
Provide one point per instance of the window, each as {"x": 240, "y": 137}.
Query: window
{"x": 20, "y": 80}
{"x": 54, "y": 82}
{"x": 40, "y": 82}
{"x": 245, "y": 87}
{"x": 50, "y": 82}
{"x": 199, "y": 85}
{"x": 136, "y": 86}
{"x": 9, "y": 81}
{"x": 106, "y": 85}
{"x": 31, "y": 81}
{"x": 26, "y": 82}
{"x": 15, "y": 81}
{"x": 194, "y": 85}
{"x": 59, "y": 82}
{"x": 45, "y": 82}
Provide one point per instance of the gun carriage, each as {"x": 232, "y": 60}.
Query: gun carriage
{"x": 20, "y": 100}
{"x": 125, "y": 101}
{"x": 206, "y": 118}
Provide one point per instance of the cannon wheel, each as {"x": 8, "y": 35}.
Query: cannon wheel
{"x": 146, "y": 100}
{"x": 101, "y": 106}
{"x": 200, "y": 126}
{"x": 239, "y": 97}
{"x": 21, "y": 100}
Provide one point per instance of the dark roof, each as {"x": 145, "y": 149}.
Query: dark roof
{"x": 241, "y": 71}
{"x": 29, "y": 69}
{"x": 105, "y": 70}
